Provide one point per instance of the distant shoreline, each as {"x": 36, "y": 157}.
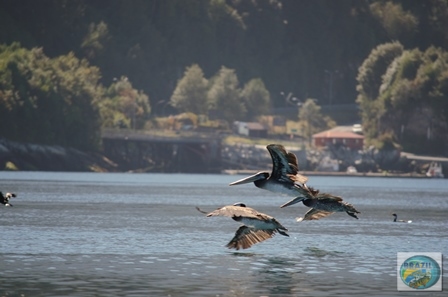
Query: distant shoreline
{"x": 329, "y": 173}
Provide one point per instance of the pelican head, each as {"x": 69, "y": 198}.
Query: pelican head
{"x": 9, "y": 195}
{"x": 240, "y": 204}
{"x": 253, "y": 178}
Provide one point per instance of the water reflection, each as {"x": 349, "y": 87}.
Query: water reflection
{"x": 243, "y": 254}
{"x": 279, "y": 276}
{"x": 319, "y": 253}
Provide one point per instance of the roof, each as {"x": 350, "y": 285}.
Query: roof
{"x": 338, "y": 132}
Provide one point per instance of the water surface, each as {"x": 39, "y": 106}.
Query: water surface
{"x": 117, "y": 234}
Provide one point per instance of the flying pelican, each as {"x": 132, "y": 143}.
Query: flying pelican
{"x": 323, "y": 205}
{"x": 5, "y": 199}
{"x": 257, "y": 227}
{"x": 401, "y": 221}
{"x": 284, "y": 177}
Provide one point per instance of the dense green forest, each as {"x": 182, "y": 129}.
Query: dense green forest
{"x": 112, "y": 61}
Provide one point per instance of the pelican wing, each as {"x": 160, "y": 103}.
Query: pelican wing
{"x": 245, "y": 237}
{"x": 350, "y": 208}
{"x": 235, "y": 211}
{"x": 284, "y": 165}
{"x": 337, "y": 203}
{"x": 314, "y": 214}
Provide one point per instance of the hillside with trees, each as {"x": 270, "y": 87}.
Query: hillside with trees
{"x": 70, "y": 67}
{"x": 403, "y": 98}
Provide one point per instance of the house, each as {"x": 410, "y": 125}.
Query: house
{"x": 293, "y": 128}
{"x": 251, "y": 129}
{"x": 341, "y": 135}
{"x": 273, "y": 124}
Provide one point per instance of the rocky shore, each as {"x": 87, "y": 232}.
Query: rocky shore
{"x": 235, "y": 159}
{"x": 35, "y": 157}
{"x": 335, "y": 161}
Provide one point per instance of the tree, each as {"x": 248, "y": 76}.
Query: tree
{"x": 123, "y": 106}
{"x": 399, "y": 24}
{"x": 311, "y": 120}
{"x": 49, "y": 101}
{"x": 94, "y": 42}
{"x": 224, "y": 96}
{"x": 190, "y": 94}
{"x": 76, "y": 90}
{"x": 374, "y": 67}
{"x": 256, "y": 97}
{"x": 369, "y": 82}
{"x": 415, "y": 101}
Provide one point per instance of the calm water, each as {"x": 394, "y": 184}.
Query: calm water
{"x": 95, "y": 234}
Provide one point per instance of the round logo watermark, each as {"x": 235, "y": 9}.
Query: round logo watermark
{"x": 419, "y": 271}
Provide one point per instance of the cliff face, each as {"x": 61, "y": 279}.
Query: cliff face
{"x": 34, "y": 157}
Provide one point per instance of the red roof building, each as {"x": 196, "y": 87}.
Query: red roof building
{"x": 339, "y": 136}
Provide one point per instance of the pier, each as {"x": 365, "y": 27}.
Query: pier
{"x": 163, "y": 151}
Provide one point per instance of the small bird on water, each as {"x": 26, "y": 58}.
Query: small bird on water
{"x": 257, "y": 226}
{"x": 400, "y": 221}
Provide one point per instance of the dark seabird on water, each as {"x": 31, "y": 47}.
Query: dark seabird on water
{"x": 400, "y": 221}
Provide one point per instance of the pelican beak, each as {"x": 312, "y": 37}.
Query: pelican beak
{"x": 293, "y": 201}
{"x": 247, "y": 180}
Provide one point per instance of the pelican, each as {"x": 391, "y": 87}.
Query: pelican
{"x": 257, "y": 227}
{"x": 323, "y": 205}
{"x": 5, "y": 199}
{"x": 400, "y": 221}
{"x": 284, "y": 177}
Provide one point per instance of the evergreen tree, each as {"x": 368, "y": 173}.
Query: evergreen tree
{"x": 224, "y": 96}
{"x": 190, "y": 94}
{"x": 256, "y": 97}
